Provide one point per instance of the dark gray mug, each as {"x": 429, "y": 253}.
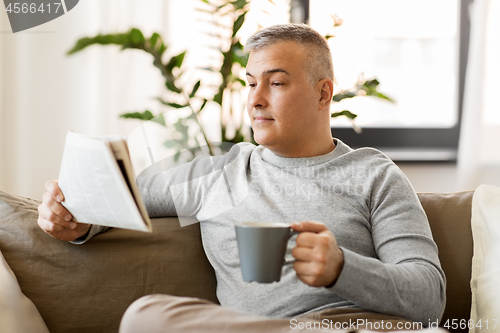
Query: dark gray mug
{"x": 262, "y": 247}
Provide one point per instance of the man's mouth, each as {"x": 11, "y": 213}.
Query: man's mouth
{"x": 262, "y": 119}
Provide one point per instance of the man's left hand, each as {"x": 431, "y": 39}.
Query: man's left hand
{"x": 319, "y": 260}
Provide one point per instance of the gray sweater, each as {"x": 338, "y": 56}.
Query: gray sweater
{"x": 391, "y": 261}
{"x": 391, "y": 264}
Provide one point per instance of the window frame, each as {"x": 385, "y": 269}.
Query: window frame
{"x": 405, "y": 144}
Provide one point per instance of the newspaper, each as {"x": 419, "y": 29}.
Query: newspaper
{"x": 98, "y": 183}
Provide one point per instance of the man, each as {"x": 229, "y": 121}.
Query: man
{"x": 369, "y": 252}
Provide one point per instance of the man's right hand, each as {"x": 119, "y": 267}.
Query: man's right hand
{"x": 56, "y": 220}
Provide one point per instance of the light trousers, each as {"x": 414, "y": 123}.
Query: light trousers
{"x": 165, "y": 313}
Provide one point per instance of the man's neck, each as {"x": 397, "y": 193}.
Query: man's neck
{"x": 310, "y": 151}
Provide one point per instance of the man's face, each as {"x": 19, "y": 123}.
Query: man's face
{"x": 282, "y": 105}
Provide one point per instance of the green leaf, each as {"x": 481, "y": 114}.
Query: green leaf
{"x": 195, "y": 89}
{"x": 115, "y": 39}
{"x": 177, "y": 156}
{"x": 181, "y": 128}
{"x": 383, "y": 96}
{"x": 154, "y": 38}
{"x": 222, "y": 6}
{"x": 238, "y": 23}
{"x": 241, "y": 81}
{"x": 170, "y": 144}
{"x": 239, "y": 4}
{"x": 238, "y": 56}
{"x": 327, "y": 37}
{"x": 146, "y": 115}
{"x": 177, "y": 106}
{"x": 340, "y": 96}
{"x": 371, "y": 84}
{"x": 133, "y": 39}
{"x": 370, "y": 88}
{"x": 218, "y": 97}
{"x": 160, "y": 120}
{"x": 162, "y": 49}
{"x": 345, "y": 113}
{"x": 136, "y": 36}
{"x": 179, "y": 59}
{"x": 176, "y": 61}
{"x": 374, "y": 93}
{"x": 172, "y": 87}
{"x": 203, "y": 105}
{"x": 174, "y": 105}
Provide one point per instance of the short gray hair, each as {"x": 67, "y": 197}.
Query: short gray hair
{"x": 319, "y": 64}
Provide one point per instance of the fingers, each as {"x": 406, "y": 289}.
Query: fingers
{"x": 51, "y": 212}
{"x": 309, "y": 254}
{"x": 48, "y": 226}
{"x": 55, "y": 212}
{"x": 312, "y": 234}
{"x": 321, "y": 241}
{"x": 53, "y": 188}
{"x": 309, "y": 226}
{"x": 51, "y": 208}
{"x": 310, "y": 273}
{"x": 319, "y": 259}
{"x": 319, "y": 273}
{"x": 62, "y": 233}
{"x": 54, "y": 219}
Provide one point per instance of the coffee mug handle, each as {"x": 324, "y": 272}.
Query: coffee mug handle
{"x": 292, "y": 232}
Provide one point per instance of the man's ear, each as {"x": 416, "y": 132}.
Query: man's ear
{"x": 325, "y": 87}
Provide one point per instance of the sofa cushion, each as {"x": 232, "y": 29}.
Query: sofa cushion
{"x": 92, "y": 284}
{"x": 449, "y": 218}
{"x": 485, "y": 309}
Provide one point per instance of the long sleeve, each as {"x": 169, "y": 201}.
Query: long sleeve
{"x": 94, "y": 230}
{"x": 203, "y": 188}
{"x": 406, "y": 280}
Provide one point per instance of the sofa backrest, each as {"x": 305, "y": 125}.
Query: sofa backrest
{"x": 449, "y": 218}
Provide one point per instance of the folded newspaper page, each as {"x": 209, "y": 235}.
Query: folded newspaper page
{"x": 98, "y": 183}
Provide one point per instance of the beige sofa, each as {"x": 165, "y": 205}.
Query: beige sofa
{"x": 87, "y": 288}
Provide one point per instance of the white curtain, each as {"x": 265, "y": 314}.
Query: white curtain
{"x": 44, "y": 93}
{"x": 479, "y": 149}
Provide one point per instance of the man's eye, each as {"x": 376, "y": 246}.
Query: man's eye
{"x": 277, "y": 84}
{"x": 251, "y": 84}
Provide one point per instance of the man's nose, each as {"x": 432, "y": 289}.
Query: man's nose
{"x": 258, "y": 97}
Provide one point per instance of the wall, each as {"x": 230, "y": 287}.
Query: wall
{"x": 431, "y": 177}
{"x": 446, "y": 177}
{"x": 44, "y": 93}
